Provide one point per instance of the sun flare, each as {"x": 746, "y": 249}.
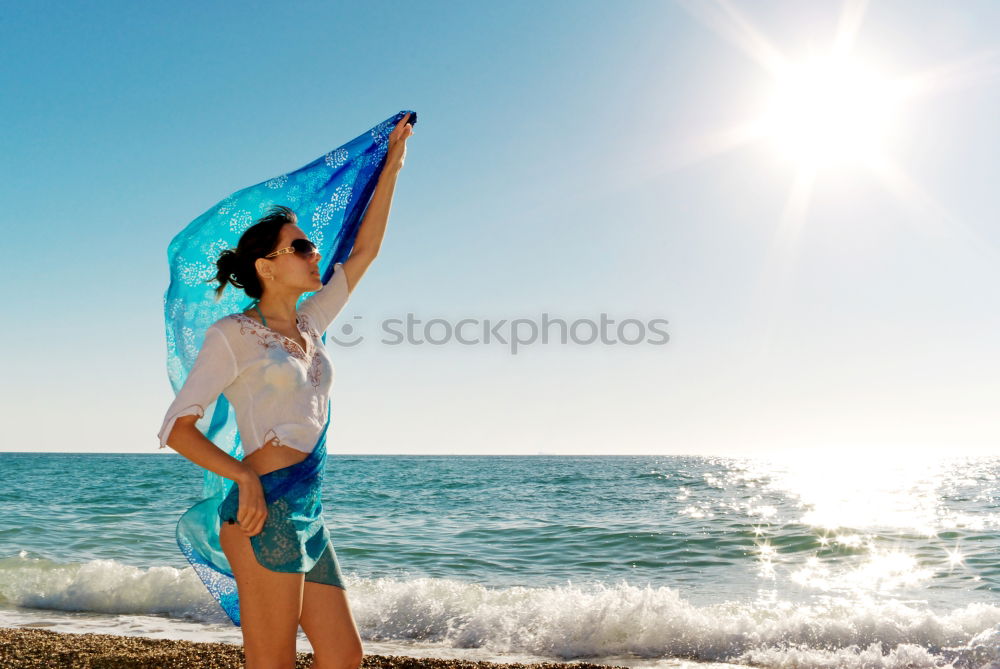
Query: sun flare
{"x": 825, "y": 113}
{"x": 829, "y": 117}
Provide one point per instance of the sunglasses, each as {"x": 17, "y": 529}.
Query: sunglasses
{"x": 303, "y": 247}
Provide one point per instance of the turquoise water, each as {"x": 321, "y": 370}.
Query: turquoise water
{"x": 637, "y": 560}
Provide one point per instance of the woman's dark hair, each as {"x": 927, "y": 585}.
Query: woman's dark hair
{"x": 236, "y": 266}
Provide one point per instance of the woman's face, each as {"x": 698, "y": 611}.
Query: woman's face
{"x": 290, "y": 270}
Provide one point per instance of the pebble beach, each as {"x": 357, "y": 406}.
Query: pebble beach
{"x": 25, "y": 648}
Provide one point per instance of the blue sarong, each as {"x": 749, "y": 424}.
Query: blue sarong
{"x": 330, "y": 196}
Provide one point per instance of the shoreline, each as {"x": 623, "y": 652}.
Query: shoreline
{"x": 30, "y": 648}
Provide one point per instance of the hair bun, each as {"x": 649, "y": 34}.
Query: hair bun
{"x": 236, "y": 266}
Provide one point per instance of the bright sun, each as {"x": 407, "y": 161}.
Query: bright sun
{"x": 833, "y": 115}
{"x": 827, "y": 113}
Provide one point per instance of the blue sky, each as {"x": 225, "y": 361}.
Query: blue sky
{"x": 560, "y": 165}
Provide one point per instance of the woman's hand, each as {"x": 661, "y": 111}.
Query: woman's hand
{"x": 397, "y": 144}
{"x": 253, "y": 505}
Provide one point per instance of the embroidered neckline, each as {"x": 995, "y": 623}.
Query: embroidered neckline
{"x": 307, "y": 336}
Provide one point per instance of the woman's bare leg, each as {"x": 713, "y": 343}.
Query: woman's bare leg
{"x": 270, "y": 604}
{"x": 329, "y": 625}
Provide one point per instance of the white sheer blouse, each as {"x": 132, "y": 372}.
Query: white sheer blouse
{"x": 278, "y": 391}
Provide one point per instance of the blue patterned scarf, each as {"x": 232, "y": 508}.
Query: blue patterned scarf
{"x": 330, "y": 196}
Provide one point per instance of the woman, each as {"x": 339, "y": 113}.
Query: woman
{"x": 271, "y": 363}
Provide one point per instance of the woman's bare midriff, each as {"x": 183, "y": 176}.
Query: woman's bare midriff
{"x": 272, "y": 456}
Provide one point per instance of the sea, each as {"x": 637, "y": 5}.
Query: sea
{"x": 840, "y": 559}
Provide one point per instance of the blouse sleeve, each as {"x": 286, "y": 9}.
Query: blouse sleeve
{"x": 324, "y": 305}
{"x": 214, "y": 369}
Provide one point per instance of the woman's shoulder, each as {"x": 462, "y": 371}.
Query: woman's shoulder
{"x": 228, "y": 324}
{"x": 229, "y": 328}
{"x": 237, "y": 325}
